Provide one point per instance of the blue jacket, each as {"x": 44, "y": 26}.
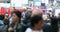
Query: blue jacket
{"x": 1, "y": 22}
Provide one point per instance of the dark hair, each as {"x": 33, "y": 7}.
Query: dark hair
{"x": 18, "y": 13}
{"x": 6, "y": 21}
{"x": 1, "y": 17}
{"x": 35, "y": 19}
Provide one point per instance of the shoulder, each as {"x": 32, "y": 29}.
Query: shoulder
{"x": 3, "y": 28}
{"x": 28, "y": 30}
{"x": 21, "y": 27}
{"x": 47, "y": 28}
{"x": 1, "y": 22}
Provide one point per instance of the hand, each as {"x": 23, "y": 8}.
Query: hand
{"x": 10, "y": 29}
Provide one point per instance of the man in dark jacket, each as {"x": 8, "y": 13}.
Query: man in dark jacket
{"x": 26, "y": 21}
{"x": 54, "y": 24}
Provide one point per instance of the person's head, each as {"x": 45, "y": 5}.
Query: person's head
{"x": 2, "y": 17}
{"x": 28, "y": 14}
{"x": 37, "y": 22}
{"x": 36, "y": 12}
{"x": 6, "y": 21}
{"x": 16, "y": 16}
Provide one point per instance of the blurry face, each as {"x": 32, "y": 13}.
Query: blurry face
{"x": 15, "y": 17}
{"x": 6, "y": 21}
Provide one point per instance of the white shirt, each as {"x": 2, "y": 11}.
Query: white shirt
{"x": 30, "y": 30}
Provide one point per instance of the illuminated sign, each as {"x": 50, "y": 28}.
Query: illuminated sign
{"x": 4, "y": 1}
{"x": 19, "y": 3}
{"x": 37, "y": 3}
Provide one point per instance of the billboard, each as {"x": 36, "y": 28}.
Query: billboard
{"x": 37, "y": 4}
{"x": 6, "y": 5}
{"x": 4, "y": 1}
{"x": 18, "y": 3}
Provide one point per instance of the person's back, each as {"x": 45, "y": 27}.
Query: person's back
{"x": 4, "y": 27}
{"x": 1, "y": 22}
{"x": 54, "y": 24}
{"x": 26, "y": 21}
{"x": 47, "y": 28}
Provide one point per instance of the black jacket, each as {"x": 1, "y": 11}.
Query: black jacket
{"x": 54, "y": 24}
{"x": 4, "y": 28}
{"x": 47, "y": 28}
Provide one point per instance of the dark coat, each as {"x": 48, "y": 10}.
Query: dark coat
{"x": 47, "y": 28}
{"x": 53, "y": 27}
{"x": 54, "y": 24}
{"x": 4, "y": 28}
{"x": 19, "y": 28}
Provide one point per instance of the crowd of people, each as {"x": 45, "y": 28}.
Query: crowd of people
{"x": 29, "y": 21}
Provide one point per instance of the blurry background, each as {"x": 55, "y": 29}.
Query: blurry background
{"x": 45, "y": 5}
